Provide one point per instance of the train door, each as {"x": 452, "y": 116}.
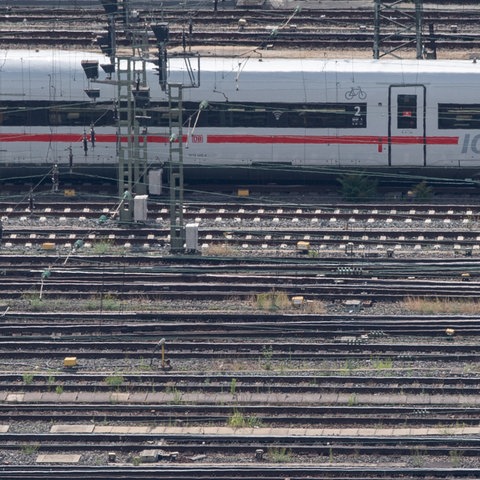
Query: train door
{"x": 406, "y": 125}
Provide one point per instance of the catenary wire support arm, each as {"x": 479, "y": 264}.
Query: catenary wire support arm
{"x": 394, "y": 21}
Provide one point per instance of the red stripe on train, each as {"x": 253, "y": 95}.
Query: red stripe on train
{"x": 346, "y": 140}
{"x": 68, "y": 138}
{"x": 238, "y": 139}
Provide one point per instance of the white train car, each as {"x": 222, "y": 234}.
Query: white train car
{"x": 255, "y": 118}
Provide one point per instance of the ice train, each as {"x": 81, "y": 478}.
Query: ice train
{"x": 251, "y": 118}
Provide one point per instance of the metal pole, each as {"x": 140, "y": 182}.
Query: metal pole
{"x": 376, "y": 35}
{"x": 418, "y": 27}
{"x": 177, "y": 229}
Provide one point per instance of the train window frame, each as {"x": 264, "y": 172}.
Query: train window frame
{"x": 456, "y": 116}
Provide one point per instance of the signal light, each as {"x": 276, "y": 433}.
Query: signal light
{"x": 141, "y": 96}
{"x": 107, "y": 43}
{"x": 161, "y": 32}
{"x": 92, "y": 93}
{"x": 90, "y": 67}
{"x": 108, "y": 68}
{"x": 162, "y": 68}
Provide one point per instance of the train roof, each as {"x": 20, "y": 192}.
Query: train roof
{"x": 57, "y": 75}
{"x": 340, "y": 65}
{"x": 253, "y": 63}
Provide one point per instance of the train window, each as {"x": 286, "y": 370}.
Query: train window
{"x": 330, "y": 115}
{"x": 455, "y": 116}
{"x": 335, "y": 115}
{"x": 159, "y": 116}
{"x": 320, "y": 116}
{"x": 407, "y": 111}
{"x": 221, "y": 114}
{"x": 44, "y": 114}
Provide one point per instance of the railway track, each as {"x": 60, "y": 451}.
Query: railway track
{"x": 243, "y": 444}
{"x": 56, "y": 208}
{"x": 248, "y": 227}
{"x": 261, "y": 386}
{"x": 354, "y": 389}
{"x": 283, "y": 238}
{"x": 198, "y": 326}
{"x": 278, "y": 416}
{"x": 352, "y": 28}
{"x": 367, "y": 376}
{"x": 304, "y": 17}
{"x": 55, "y": 350}
{"x": 84, "y": 284}
{"x": 254, "y": 39}
{"x": 228, "y": 473}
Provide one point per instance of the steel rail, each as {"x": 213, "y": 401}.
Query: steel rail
{"x": 184, "y": 350}
{"x": 222, "y": 472}
{"x": 192, "y": 325}
{"x": 270, "y": 415}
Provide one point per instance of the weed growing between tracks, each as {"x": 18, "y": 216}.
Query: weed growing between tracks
{"x": 438, "y": 306}
{"x": 456, "y": 458}
{"x": 31, "y": 302}
{"x": 27, "y": 378}
{"x": 177, "y": 396}
{"x": 272, "y": 300}
{"x": 279, "y": 301}
{"x": 382, "y": 364}
{"x": 279, "y": 455}
{"x": 107, "y": 302}
{"x": 115, "y": 381}
{"x": 349, "y": 367}
{"x": 267, "y": 353}
{"x": 352, "y": 400}
{"x": 102, "y": 248}
{"x": 239, "y": 420}
{"x": 220, "y": 250}
{"x": 30, "y": 449}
